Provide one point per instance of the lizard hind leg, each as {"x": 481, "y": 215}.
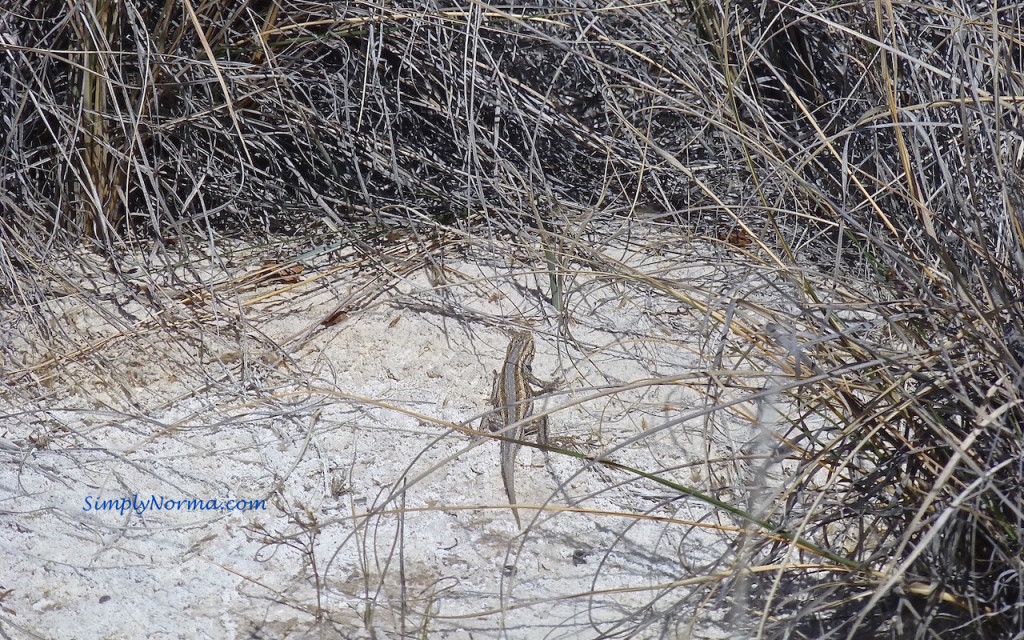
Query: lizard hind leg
{"x": 542, "y": 432}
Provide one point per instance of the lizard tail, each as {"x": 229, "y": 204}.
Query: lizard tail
{"x": 508, "y": 461}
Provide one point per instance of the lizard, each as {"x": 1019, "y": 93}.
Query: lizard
{"x": 512, "y": 394}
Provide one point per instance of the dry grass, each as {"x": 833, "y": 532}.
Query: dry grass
{"x": 861, "y": 162}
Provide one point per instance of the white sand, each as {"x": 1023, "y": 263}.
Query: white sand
{"x": 193, "y": 402}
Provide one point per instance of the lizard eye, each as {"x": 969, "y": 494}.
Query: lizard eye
{"x": 529, "y": 368}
